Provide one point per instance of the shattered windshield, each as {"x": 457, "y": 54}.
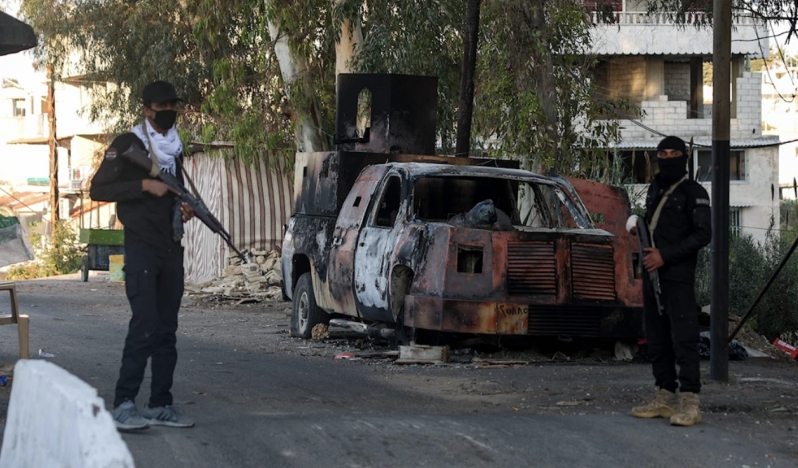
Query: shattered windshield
{"x": 495, "y": 203}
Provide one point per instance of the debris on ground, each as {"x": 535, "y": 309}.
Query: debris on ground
{"x": 737, "y": 351}
{"x": 42, "y": 354}
{"x": 261, "y": 278}
{"x": 751, "y": 340}
{"x": 423, "y": 354}
{"x": 320, "y": 332}
{"x": 625, "y": 351}
{"x": 791, "y": 350}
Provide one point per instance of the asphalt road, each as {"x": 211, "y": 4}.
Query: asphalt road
{"x": 262, "y": 399}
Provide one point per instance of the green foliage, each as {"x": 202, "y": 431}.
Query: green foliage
{"x": 533, "y": 94}
{"x": 62, "y": 255}
{"x": 750, "y": 266}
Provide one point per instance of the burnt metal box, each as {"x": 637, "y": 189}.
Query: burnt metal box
{"x": 404, "y": 112}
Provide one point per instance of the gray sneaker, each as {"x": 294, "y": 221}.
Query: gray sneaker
{"x": 126, "y": 417}
{"x": 166, "y": 416}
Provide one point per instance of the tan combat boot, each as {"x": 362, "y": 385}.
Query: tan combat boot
{"x": 687, "y": 413}
{"x": 662, "y": 406}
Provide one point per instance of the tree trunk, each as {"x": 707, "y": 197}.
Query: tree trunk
{"x": 470, "y": 39}
{"x": 348, "y": 46}
{"x": 294, "y": 69}
{"x": 544, "y": 80}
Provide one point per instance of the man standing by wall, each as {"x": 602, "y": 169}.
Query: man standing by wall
{"x": 153, "y": 258}
{"x": 679, "y": 218}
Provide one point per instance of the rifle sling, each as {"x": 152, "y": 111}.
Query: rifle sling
{"x": 658, "y": 212}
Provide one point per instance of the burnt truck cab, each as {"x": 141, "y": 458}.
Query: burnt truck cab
{"x": 393, "y": 255}
{"x": 381, "y": 238}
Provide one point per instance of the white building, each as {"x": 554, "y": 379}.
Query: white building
{"x": 780, "y": 116}
{"x": 658, "y": 66}
{"x": 24, "y": 139}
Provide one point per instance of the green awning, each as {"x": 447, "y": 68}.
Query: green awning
{"x": 15, "y": 36}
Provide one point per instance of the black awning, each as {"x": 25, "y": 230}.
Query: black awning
{"x": 15, "y": 35}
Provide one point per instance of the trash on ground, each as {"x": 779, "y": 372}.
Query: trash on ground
{"x": 42, "y": 354}
{"x": 786, "y": 347}
{"x": 737, "y": 351}
{"x": 625, "y": 351}
{"x": 3, "y": 380}
{"x": 497, "y": 363}
{"x": 347, "y": 356}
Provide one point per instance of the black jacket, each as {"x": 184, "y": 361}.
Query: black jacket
{"x": 146, "y": 218}
{"x": 685, "y": 226}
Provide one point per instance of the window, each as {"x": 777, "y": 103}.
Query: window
{"x": 526, "y": 204}
{"x": 703, "y": 170}
{"x": 735, "y": 220}
{"x": 18, "y": 107}
{"x": 391, "y": 200}
{"x": 462, "y": 194}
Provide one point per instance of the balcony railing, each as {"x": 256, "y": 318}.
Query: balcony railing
{"x": 666, "y": 19}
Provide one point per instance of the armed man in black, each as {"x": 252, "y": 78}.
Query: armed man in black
{"x": 153, "y": 258}
{"x": 679, "y": 219}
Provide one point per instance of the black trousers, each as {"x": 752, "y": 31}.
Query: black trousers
{"x": 672, "y": 337}
{"x": 154, "y": 287}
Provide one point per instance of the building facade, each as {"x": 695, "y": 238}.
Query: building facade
{"x": 662, "y": 68}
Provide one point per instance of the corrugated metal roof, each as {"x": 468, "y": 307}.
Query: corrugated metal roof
{"x": 702, "y": 143}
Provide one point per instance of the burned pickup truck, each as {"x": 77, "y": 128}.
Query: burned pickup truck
{"x": 424, "y": 243}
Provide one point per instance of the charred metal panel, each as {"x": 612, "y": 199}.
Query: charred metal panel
{"x": 593, "y": 272}
{"x": 513, "y": 318}
{"x": 470, "y": 265}
{"x": 611, "y": 208}
{"x": 344, "y": 243}
{"x": 531, "y": 269}
{"x": 404, "y": 113}
{"x": 568, "y": 320}
{"x": 462, "y": 316}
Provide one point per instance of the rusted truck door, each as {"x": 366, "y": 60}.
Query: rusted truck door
{"x": 339, "y": 296}
{"x": 376, "y": 243}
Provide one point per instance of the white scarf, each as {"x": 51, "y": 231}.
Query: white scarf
{"x": 166, "y": 147}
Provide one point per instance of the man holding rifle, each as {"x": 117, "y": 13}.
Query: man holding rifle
{"x": 678, "y": 219}
{"x": 152, "y": 215}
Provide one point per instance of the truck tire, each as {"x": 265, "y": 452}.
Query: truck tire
{"x": 305, "y": 313}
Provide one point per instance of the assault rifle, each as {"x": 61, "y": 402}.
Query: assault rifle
{"x": 645, "y": 242}
{"x": 139, "y": 157}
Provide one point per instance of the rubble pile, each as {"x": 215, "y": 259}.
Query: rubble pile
{"x": 260, "y": 278}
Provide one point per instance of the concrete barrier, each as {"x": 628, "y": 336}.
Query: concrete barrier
{"x": 56, "y": 420}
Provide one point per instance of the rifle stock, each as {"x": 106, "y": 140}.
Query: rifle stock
{"x": 645, "y": 242}
{"x": 139, "y": 157}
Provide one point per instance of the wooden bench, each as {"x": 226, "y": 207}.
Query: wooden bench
{"x": 22, "y": 321}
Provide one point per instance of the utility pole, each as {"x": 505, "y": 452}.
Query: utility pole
{"x": 721, "y": 59}
{"x": 53, "y": 153}
{"x": 463, "y": 144}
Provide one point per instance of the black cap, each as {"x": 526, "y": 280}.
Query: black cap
{"x": 672, "y": 143}
{"x": 158, "y": 92}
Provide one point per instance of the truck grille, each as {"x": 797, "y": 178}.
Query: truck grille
{"x": 593, "y": 272}
{"x": 531, "y": 269}
{"x": 577, "y": 321}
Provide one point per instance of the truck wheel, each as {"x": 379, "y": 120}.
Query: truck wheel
{"x": 84, "y": 269}
{"x": 306, "y": 314}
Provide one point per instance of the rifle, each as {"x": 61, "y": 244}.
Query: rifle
{"x": 645, "y": 242}
{"x": 139, "y": 157}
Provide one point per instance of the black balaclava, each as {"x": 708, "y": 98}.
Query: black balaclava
{"x": 672, "y": 169}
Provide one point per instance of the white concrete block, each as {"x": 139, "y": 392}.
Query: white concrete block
{"x": 56, "y": 420}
